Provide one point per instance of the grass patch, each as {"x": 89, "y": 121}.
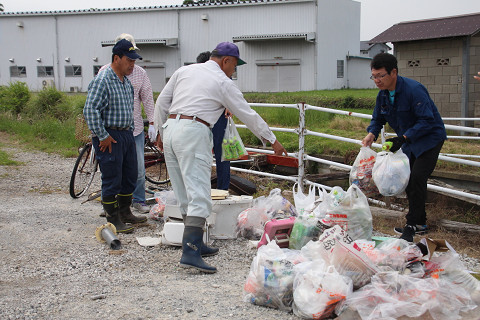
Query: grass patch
{"x": 6, "y": 160}
{"x": 46, "y": 134}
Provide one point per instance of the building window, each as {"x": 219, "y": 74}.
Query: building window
{"x": 443, "y": 62}
{"x": 96, "y": 69}
{"x": 413, "y": 63}
{"x": 44, "y": 71}
{"x": 73, "y": 71}
{"x": 340, "y": 68}
{"x": 17, "y": 71}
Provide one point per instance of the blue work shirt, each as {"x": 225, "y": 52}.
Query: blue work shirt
{"x": 413, "y": 114}
{"x": 109, "y": 103}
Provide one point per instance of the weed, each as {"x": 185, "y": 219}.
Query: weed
{"x": 50, "y": 103}
{"x": 5, "y": 160}
{"x": 14, "y": 97}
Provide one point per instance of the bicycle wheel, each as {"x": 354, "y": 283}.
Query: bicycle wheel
{"x": 155, "y": 167}
{"x": 83, "y": 172}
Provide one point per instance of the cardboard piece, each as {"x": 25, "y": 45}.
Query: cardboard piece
{"x": 439, "y": 245}
{"x": 218, "y": 194}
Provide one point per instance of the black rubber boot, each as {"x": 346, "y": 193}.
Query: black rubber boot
{"x": 124, "y": 203}
{"x": 205, "y": 251}
{"x": 110, "y": 206}
{"x": 191, "y": 243}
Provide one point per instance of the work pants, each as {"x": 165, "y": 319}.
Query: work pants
{"x": 420, "y": 170}
{"x": 139, "y": 192}
{"x": 118, "y": 168}
{"x": 222, "y": 167}
{"x": 188, "y": 155}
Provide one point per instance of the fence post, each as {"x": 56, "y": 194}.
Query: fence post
{"x": 301, "y": 144}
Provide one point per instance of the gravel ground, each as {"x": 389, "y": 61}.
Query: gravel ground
{"x": 54, "y": 268}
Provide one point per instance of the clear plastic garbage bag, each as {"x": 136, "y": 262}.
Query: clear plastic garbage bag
{"x": 303, "y": 202}
{"x": 251, "y": 221}
{"x": 391, "y": 172}
{"x": 391, "y": 295}
{"x": 270, "y": 280}
{"x": 318, "y": 290}
{"x": 361, "y": 172}
{"x": 349, "y": 209}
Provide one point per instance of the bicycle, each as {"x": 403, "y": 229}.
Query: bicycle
{"x": 86, "y": 166}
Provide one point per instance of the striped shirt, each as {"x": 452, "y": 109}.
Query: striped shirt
{"x": 109, "y": 103}
{"x": 143, "y": 93}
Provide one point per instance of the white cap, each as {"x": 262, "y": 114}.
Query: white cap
{"x": 127, "y": 37}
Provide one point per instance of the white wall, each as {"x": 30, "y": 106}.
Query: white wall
{"x": 25, "y": 45}
{"x": 53, "y": 37}
{"x": 357, "y": 73}
{"x": 338, "y": 34}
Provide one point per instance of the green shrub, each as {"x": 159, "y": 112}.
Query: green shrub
{"x": 47, "y": 99}
{"x": 14, "y": 97}
{"x": 51, "y": 103}
{"x": 78, "y": 102}
{"x": 348, "y": 102}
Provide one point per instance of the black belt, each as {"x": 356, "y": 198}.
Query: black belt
{"x": 119, "y": 128}
{"x": 174, "y": 116}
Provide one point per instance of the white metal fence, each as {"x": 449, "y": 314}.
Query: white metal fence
{"x": 302, "y": 132}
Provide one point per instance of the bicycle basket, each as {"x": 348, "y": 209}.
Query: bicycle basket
{"x": 82, "y": 133}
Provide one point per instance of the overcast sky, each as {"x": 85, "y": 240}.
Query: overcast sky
{"x": 376, "y": 16}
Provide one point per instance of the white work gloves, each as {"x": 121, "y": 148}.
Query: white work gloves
{"x": 152, "y": 133}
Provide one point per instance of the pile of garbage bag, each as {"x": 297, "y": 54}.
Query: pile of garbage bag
{"x": 251, "y": 221}
{"x": 385, "y": 172}
{"x": 326, "y": 272}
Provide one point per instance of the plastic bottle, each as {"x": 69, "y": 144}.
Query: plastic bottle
{"x": 238, "y": 147}
{"x": 233, "y": 149}
{"x": 387, "y": 146}
{"x": 227, "y": 153}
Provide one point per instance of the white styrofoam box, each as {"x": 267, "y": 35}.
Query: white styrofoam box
{"x": 173, "y": 211}
{"x": 226, "y": 212}
{"x": 172, "y": 233}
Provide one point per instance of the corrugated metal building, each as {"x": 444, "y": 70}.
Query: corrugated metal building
{"x": 288, "y": 45}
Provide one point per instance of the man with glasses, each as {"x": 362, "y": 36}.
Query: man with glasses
{"x": 406, "y": 106}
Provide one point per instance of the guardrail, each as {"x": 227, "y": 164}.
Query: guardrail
{"x": 302, "y": 131}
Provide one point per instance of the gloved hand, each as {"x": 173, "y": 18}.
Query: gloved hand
{"x": 393, "y": 144}
{"x": 152, "y": 133}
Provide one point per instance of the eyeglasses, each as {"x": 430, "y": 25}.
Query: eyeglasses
{"x": 378, "y": 77}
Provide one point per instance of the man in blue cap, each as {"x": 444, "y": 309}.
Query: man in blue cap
{"x": 108, "y": 112}
{"x": 192, "y": 100}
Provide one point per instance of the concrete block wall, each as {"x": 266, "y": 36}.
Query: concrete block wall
{"x": 474, "y": 87}
{"x": 437, "y": 64}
